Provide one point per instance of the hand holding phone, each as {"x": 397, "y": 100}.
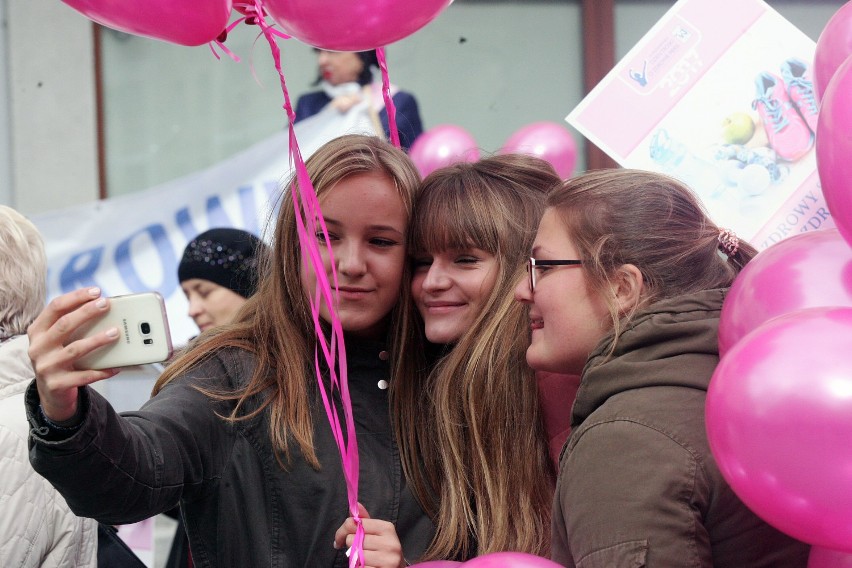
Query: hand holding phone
{"x": 143, "y": 333}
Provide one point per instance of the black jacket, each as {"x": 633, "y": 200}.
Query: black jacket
{"x": 241, "y": 508}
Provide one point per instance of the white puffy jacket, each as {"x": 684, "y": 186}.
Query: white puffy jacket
{"x": 37, "y": 529}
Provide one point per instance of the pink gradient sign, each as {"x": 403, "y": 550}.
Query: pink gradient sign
{"x": 719, "y": 94}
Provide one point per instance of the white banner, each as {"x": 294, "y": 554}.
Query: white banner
{"x": 133, "y": 243}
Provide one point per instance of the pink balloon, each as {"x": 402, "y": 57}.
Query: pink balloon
{"x": 437, "y": 564}
{"x": 441, "y": 146}
{"x": 807, "y": 270}
{"x": 176, "y": 21}
{"x": 510, "y": 560}
{"x": 352, "y": 25}
{"x": 547, "y": 140}
{"x": 833, "y": 47}
{"x": 779, "y": 421}
{"x": 834, "y": 148}
{"x": 825, "y": 558}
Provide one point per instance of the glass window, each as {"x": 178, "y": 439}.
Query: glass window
{"x": 488, "y": 66}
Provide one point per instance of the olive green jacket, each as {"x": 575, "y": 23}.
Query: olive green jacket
{"x": 637, "y": 484}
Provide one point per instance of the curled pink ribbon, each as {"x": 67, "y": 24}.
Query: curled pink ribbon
{"x": 333, "y": 351}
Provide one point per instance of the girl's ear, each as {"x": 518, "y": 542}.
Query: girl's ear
{"x": 628, "y": 286}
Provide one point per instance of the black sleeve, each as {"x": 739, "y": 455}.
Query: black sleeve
{"x": 124, "y": 468}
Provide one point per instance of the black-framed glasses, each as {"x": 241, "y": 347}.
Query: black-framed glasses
{"x": 532, "y": 263}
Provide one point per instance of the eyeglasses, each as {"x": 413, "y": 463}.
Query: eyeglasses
{"x": 532, "y": 263}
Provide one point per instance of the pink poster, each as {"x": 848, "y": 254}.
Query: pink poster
{"x": 719, "y": 94}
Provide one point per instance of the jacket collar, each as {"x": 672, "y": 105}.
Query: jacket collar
{"x": 673, "y": 342}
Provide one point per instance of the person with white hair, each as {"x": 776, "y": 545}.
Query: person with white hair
{"x": 36, "y": 526}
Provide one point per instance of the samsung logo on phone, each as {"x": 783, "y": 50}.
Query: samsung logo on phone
{"x": 126, "y": 331}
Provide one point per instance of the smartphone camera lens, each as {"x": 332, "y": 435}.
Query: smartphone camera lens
{"x": 146, "y": 328}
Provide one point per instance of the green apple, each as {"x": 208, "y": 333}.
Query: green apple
{"x": 737, "y": 128}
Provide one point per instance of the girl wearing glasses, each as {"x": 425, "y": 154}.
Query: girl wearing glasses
{"x": 638, "y": 317}
{"x": 475, "y": 450}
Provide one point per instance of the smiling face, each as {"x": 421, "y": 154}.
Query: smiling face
{"x": 337, "y": 67}
{"x": 210, "y": 304}
{"x": 451, "y": 288}
{"x": 366, "y": 223}
{"x": 566, "y": 317}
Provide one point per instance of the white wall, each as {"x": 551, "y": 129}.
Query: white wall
{"x": 5, "y": 134}
{"x": 50, "y": 99}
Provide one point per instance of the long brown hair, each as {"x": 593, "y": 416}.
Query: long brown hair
{"x": 276, "y": 324}
{"x": 655, "y": 222}
{"x": 486, "y": 477}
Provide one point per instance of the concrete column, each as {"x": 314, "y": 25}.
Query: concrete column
{"x": 52, "y": 142}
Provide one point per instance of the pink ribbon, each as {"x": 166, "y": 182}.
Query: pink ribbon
{"x": 391, "y": 108}
{"x": 333, "y": 351}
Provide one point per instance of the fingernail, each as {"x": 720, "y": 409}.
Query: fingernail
{"x": 101, "y": 303}
{"x": 334, "y": 544}
{"x": 112, "y": 332}
{"x": 94, "y": 292}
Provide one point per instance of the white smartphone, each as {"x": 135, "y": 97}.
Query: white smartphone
{"x": 143, "y": 331}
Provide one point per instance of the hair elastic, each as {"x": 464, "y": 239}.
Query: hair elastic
{"x": 729, "y": 243}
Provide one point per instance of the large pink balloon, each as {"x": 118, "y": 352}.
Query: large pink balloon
{"x": 833, "y": 47}
{"x": 807, "y": 270}
{"x": 441, "y": 146}
{"x": 779, "y": 423}
{"x": 834, "y": 148}
{"x": 547, "y": 140}
{"x": 182, "y": 22}
{"x": 352, "y": 25}
{"x": 824, "y": 558}
{"x": 510, "y": 560}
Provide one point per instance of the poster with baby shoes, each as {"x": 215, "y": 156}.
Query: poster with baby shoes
{"x": 719, "y": 93}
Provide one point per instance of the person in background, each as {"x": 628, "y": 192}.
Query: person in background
{"x": 625, "y": 288}
{"x": 218, "y": 273}
{"x": 346, "y": 81}
{"x": 476, "y": 449}
{"x": 236, "y": 430}
{"x": 37, "y": 528}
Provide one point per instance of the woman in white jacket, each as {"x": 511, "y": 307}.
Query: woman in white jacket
{"x": 37, "y": 529}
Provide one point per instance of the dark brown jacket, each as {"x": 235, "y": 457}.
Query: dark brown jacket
{"x": 637, "y": 484}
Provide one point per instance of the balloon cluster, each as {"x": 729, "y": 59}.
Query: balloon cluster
{"x": 447, "y": 144}
{"x": 779, "y": 406}
{"x": 341, "y": 25}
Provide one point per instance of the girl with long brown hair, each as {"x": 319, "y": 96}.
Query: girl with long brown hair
{"x": 474, "y": 449}
{"x": 236, "y": 431}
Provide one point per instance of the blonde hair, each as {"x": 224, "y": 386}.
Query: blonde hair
{"x": 276, "y": 323}
{"x": 23, "y": 272}
{"x": 486, "y": 476}
{"x": 655, "y": 222}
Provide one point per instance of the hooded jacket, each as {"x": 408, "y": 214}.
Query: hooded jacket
{"x": 638, "y": 485}
{"x": 37, "y": 528}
